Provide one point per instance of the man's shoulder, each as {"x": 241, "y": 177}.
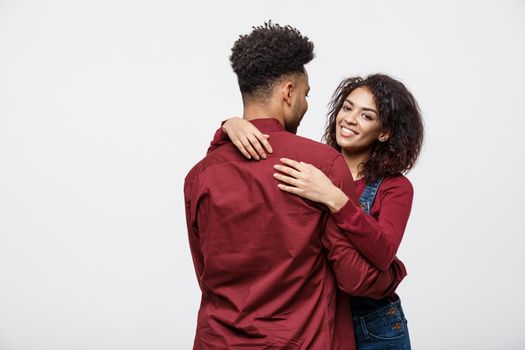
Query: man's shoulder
{"x": 223, "y": 153}
{"x": 195, "y": 172}
{"x": 312, "y": 151}
{"x": 308, "y": 145}
{"x": 285, "y": 144}
{"x": 192, "y": 174}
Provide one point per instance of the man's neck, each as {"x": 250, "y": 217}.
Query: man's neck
{"x": 261, "y": 111}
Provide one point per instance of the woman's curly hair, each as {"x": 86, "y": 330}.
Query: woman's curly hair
{"x": 269, "y": 52}
{"x": 399, "y": 115}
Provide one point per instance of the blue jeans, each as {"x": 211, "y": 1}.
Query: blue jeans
{"x": 380, "y": 324}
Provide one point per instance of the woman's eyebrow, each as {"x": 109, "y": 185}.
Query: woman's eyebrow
{"x": 364, "y": 108}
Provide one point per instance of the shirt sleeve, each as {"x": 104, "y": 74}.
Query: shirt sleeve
{"x": 193, "y": 232}
{"x": 354, "y": 273}
{"x": 378, "y": 240}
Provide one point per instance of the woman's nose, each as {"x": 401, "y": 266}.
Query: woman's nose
{"x": 350, "y": 118}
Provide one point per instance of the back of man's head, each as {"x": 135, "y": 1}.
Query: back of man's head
{"x": 267, "y": 54}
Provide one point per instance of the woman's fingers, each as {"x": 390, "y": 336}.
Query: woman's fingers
{"x": 286, "y": 179}
{"x": 241, "y": 148}
{"x": 263, "y": 139}
{"x": 253, "y": 144}
{"x": 256, "y": 144}
{"x": 259, "y": 142}
{"x": 249, "y": 148}
{"x": 287, "y": 170}
{"x": 293, "y": 163}
{"x": 289, "y": 189}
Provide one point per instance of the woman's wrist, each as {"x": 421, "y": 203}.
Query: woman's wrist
{"x": 336, "y": 200}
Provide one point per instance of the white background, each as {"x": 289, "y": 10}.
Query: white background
{"x": 106, "y": 105}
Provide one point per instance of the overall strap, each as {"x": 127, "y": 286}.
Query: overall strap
{"x": 368, "y": 196}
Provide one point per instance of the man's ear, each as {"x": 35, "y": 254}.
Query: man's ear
{"x": 287, "y": 89}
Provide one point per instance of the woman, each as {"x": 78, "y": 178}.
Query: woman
{"x": 376, "y": 125}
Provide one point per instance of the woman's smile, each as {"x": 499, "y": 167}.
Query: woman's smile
{"x": 346, "y": 132}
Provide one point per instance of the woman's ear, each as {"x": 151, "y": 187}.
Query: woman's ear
{"x": 384, "y": 136}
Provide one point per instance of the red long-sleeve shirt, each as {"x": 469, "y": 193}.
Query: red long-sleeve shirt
{"x": 262, "y": 256}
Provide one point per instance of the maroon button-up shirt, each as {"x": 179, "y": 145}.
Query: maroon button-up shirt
{"x": 264, "y": 258}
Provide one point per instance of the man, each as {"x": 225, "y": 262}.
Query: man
{"x": 261, "y": 256}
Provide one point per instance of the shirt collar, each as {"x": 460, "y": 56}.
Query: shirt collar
{"x": 267, "y": 124}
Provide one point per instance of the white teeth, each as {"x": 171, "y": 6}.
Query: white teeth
{"x": 346, "y": 131}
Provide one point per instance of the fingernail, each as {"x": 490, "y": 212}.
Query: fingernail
{"x": 263, "y": 156}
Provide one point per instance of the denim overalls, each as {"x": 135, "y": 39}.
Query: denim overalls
{"x": 378, "y": 324}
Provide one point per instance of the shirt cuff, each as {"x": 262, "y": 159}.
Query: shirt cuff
{"x": 347, "y": 211}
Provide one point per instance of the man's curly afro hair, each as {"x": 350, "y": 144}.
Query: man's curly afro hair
{"x": 269, "y": 52}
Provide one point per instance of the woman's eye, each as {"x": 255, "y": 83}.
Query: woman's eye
{"x": 367, "y": 117}
{"x": 346, "y": 108}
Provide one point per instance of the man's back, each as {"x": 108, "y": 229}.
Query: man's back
{"x": 257, "y": 250}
